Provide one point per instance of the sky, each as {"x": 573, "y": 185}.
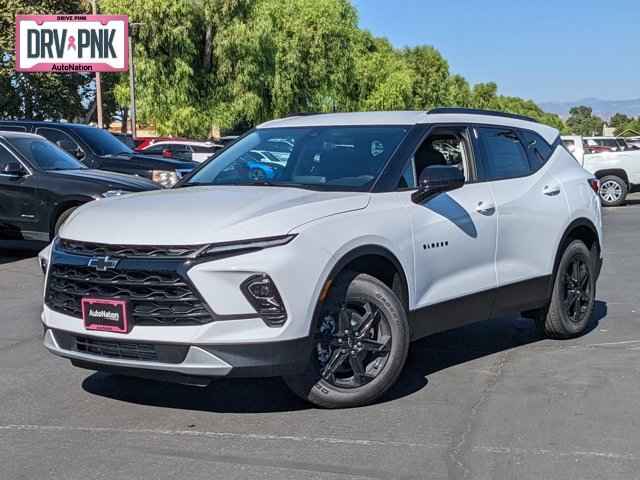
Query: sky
{"x": 545, "y": 50}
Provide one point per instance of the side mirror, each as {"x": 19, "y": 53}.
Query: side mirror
{"x": 437, "y": 179}
{"x": 13, "y": 169}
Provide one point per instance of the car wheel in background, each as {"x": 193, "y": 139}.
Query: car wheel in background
{"x": 613, "y": 191}
{"x": 361, "y": 343}
{"x": 573, "y": 296}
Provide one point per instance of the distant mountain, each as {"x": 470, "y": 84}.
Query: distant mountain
{"x": 602, "y": 108}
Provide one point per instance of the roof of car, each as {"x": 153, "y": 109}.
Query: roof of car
{"x": 10, "y": 134}
{"x": 440, "y": 115}
{"x": 43, "y": 123}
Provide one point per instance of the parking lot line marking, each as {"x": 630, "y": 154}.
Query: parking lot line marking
{"x": 331, "y": 440}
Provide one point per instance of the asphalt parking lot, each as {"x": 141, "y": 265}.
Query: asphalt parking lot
{"x": 488, "y": 401}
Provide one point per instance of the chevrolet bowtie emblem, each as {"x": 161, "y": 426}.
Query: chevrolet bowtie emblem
{"x": 102, "y": 264}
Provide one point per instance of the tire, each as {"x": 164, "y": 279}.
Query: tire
{"x": 613, "y": 191}
{"x": 570, "y": 310}
{"x": 61, "y": 219}
{"x": 362, "y": 344}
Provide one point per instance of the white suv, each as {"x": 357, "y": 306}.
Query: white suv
{"x": 381, "y": 228}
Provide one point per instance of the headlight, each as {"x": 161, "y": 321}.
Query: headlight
{"x": 166, "y": 178}
{"x": 114, "y": 193}
{"x": 248, "y": 245}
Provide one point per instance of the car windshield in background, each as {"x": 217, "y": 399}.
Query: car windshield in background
{"x": 45, "y": 155}
{"x": 332, "y": 158}
{"x": 101, "y": 141}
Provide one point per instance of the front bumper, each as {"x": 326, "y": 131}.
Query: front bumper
{"x": 179, "y": 362}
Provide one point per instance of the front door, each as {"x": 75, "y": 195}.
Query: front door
{"x": 18, "y": 203}
{"x": 454, "y": 239}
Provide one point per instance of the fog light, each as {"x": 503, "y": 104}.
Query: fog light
{"x": 263, "y": 295}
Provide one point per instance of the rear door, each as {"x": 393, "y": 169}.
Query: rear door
{"x": 531, "y": 212}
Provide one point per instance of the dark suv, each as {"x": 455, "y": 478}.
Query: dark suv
{"x": 99, "y": 149}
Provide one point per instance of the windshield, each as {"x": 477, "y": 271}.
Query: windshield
{"x": 331, "y": 158}
{"x": 45, "y": 155}
{"x": 101, "y": 141}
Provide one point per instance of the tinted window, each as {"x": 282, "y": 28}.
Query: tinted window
{"x": 333, "y": 158}
{"x": 56, "y": 136}
{"x": 12, "y": 128}
{"x": 504, "y": 155}
{"x": 155, "y": 150}
{"x": 538, "y": 148}
{"x": 203, "y": 149}
{"x": 5, "y": 157}
{"x": 101, "y": 141}
{"x": 45, "y": 155}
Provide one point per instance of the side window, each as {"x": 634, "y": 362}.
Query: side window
{"x": 13, "y": 128}
{"x": 504, "y": 155}
{"x": 58, "y": 137}
{"x": 155, "y": 150}
{"x": 5, "y": 157}
{"x": 444, "y": 146}
{"x": 539, "y": 150}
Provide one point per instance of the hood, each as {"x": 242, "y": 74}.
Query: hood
{"x": 199, "y": 215}
{"x": 110, "y": 180}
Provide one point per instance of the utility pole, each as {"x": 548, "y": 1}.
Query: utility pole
{"x": 132, "y": 82}
{"x": 98, "y": 82}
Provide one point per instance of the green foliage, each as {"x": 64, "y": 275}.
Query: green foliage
{"x": 38, "y": 96}
{"x": 581, "y": 121}
{"x": 625, "y": 125}
{"x": 230, "y": 64}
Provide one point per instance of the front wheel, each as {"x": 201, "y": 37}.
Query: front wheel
{"x": 573, "y": 297}
{"x": 360, "y": 345}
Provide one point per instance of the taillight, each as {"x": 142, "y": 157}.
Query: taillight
{"x": 595, "y": 184}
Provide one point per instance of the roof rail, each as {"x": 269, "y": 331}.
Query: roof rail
{"x": 301, "y": 114}
{"x": 477, "y": 111}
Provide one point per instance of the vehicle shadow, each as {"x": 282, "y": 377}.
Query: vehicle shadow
{"x": 14, "y": 255}
{"x": 264, "y": 395}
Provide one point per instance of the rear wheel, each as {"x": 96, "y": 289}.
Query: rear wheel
{"x": 613, "y": 191}
{"x": 573, "y": 297}
{"x": 360, "y": 345}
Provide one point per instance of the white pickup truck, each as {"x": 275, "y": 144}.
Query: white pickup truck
{"x": 618, "y": 172}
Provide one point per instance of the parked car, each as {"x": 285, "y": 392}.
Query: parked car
{"x": 367, "y": 239}
{"x": 144, "y": 142}
{"x": 125, "y": 138}
{"x": 41, "y": 185}
{"x": 618, "y": 172}
{"x": 99, "y": 149}
{"x": 183, "y": 150}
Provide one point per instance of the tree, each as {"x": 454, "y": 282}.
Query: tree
{"x": 430, "y": 75}
{"x": 38, "y": 95}
{"x": 619, "y": 121}
{"x": 581, "y": 121}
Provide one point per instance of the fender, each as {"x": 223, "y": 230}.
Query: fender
{"x": 362, "y": 251}
{"x": 577, "y": 223}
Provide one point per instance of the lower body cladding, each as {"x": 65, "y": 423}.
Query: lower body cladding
{"x": 187, "y": 323}
{"x": 188, "y": 364}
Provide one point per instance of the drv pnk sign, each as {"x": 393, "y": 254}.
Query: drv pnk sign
{"x": 72, "y": 43}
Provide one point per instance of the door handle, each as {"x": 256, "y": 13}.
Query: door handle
{"x": 551, "y": 190}
{"x": 485, "y": 208}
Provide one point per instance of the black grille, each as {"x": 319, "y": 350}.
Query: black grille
{"x": 155, "y": 297}
{"x": 107, "y": 348}
{"x": 130, "y": 350}
{"x": 129, "y": 251}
